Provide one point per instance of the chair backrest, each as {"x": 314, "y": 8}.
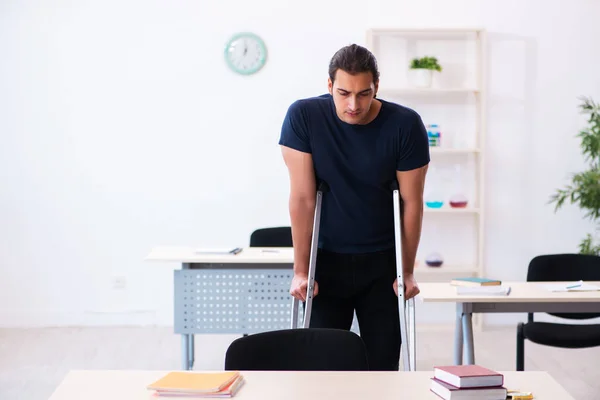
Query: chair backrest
{"x": 280, "y": 236}
{"x": 308, "y": 349}
{"x": 565, "y": 267}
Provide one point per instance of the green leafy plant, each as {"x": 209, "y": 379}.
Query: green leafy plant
{"x": 426, "y": 63}
{"x": 584, "y": 189}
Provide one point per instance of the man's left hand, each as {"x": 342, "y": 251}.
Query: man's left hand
{"x": 411, "y": 289}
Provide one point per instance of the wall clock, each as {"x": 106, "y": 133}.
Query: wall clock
{"x": 245, "y": 53}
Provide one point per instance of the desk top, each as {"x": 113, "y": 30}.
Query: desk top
{"x": 248, "y": 255}
{"x": 520, "y": 291}
{"x": 260, "y": 385}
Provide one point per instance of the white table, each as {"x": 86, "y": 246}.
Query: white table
{"x": 261, "y": 385}
{"x": 243, "y": 293}
{"x": 219, "y": 293}
{"x": 524, "y": 297}
{"x": 248, "y": 256}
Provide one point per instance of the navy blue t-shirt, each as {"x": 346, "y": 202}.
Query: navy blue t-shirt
{"x": 358, "y": 163}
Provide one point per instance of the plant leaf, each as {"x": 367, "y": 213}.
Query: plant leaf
{"x": 584, "y": 188}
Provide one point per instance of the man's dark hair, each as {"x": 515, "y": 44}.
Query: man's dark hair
{"x": 353, "y": 59}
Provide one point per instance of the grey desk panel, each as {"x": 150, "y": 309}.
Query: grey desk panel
{"x": 234, "y": 298}
{"x": 240, "y": 300}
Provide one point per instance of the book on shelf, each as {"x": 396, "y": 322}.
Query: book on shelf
{"x": 182, "y": 384}
{"x": 475, "y": 282}
{"x": 455, "y": 382}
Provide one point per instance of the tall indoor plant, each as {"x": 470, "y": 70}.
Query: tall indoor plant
{"x": 584, "y": 189}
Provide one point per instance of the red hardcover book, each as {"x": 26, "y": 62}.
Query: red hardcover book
{"x": 468, "y": 376}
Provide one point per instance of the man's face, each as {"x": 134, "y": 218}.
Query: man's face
{"x": 353, "y": 95}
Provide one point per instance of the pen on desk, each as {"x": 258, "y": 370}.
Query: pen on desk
{"x": 270, "y": 251}
{"x": 574, "y": 286}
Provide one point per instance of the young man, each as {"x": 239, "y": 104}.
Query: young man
{"x": 358, "y": 145}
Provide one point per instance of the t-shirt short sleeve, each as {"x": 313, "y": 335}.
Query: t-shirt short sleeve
{"x": 413, "y": 149}
{"x": 294, "y": 130}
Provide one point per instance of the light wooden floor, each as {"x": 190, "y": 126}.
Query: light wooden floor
{"x": 34, "y": 361}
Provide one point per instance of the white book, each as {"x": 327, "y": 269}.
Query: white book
{"x": 499, "y": 290}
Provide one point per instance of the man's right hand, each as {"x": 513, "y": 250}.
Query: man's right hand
{"x": 299, "y": 287}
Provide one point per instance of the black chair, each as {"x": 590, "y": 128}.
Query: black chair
{"x": 308, "y": 349}
{"x": 280, "y": 236}
{"x": 560, "y": 267}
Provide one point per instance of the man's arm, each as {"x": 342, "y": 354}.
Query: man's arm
{"x": 411, "y": 191}
{"x": 302, "y": 203}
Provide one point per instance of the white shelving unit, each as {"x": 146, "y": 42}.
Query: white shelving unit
{"x": 456, "y": 102}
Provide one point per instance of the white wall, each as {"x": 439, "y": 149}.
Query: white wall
{"x": 123, "y": 129}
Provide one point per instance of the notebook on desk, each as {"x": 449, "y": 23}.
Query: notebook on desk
{"x": 474, "y": 282}
{"x": 495, "y": 290}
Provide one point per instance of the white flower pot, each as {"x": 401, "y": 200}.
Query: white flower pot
{"x": 421, "y": 78}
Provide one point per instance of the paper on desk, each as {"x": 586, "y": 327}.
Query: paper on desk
{"x": 219, "y": 251}
{"x": 579, "y": 286}
{"x": 496, "y": 290}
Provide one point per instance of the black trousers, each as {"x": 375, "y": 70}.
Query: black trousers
{"x": 361, "y": 283}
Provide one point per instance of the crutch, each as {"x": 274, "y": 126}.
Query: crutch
{"x": 312, "y": 263}
{"x": 406, "y": 308}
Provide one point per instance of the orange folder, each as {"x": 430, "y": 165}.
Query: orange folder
{"x": 194, "y": 382}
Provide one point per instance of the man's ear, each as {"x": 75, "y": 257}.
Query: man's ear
{"x": 376, "y": 88}
{"x": 330, "y": 86}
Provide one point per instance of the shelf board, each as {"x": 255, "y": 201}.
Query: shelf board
{"x": 427, "y": 33}
{"x": 419, "y": 91}
{"x": 392, "y": 30}
{"x": 444, "y": 269}
{"x": 450, "y": 210}
{"x": 445, "y": 273}
{"x": 449, "y": 150}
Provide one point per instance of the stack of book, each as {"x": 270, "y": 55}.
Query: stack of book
{"x": 198, "y": 384}
{"x": 467, "y": 382}
{"x": 475, "y": 286}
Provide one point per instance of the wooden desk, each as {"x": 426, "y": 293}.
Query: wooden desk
{"x": 131, "y": 385}
{"x": 524, "y": 297}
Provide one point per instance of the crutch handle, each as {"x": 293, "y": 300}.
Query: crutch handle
{"x": 295, "y": 311}
{"x": 394, "y": 185}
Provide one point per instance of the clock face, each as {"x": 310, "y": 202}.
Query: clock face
{"x": 245, "y": 53}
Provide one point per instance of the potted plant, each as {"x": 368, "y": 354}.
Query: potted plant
{"x": 584, "y": 189}
{"x": 422, "y": 70}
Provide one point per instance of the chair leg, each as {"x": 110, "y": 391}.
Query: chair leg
{"x": 520, "y": 348}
